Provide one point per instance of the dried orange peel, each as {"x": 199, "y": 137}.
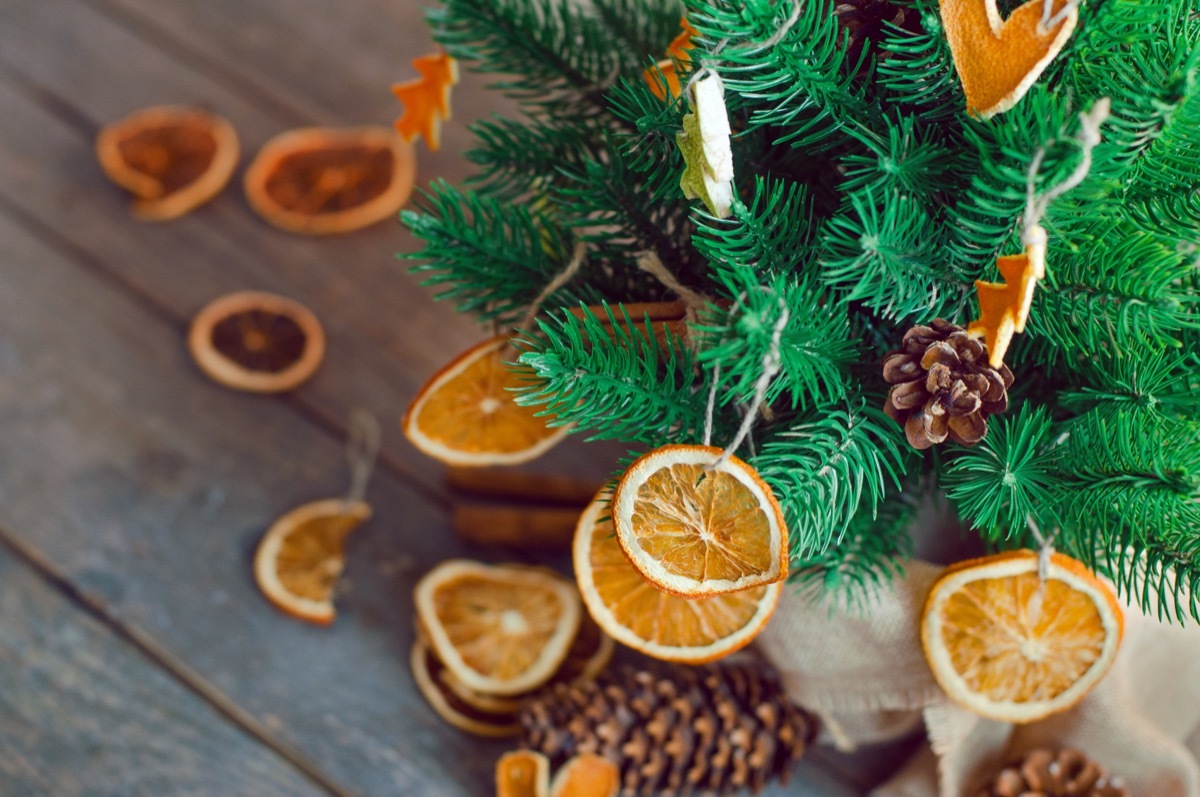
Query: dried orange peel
{"x": 586, "y": 775}
{"x": 999, "y": 60}
{"x": 523, "y": 773}
{"x": 499, "y": 630}
{"x": 427, "y": 99}
{"x": 1004, "y": 307}
{"x": 299, "y": 559}
{"x": 636, "y": 613}
{"x": 1010, "y": 648}
{"x": 694, "y": 528}
{"x": 172, "y": 159}
{"x": 466, "y": 414}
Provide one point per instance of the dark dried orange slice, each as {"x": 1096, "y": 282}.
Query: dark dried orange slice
{"x": 426, "y": 671}
{"x": 258, "y": 342}
{"x": 172, "y": 159}
{"x": 330, "y": 180}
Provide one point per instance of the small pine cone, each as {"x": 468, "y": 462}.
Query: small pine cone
{"x": 1044, "y": 772}
{"x": 943, "y": 385}
{"x": 715, "y": 729}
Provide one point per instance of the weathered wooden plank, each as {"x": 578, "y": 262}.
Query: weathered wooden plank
{"x": 82, "y": 713}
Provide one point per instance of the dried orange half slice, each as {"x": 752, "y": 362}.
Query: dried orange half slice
{"x": 1010, "y": 649}
{"x": 523, "y": 773}
{"x": 172, "y": 159}
{"x": 696, "y": 530}
{"x": 466, "y": 414}
{"x": 426, "y": 670}
{"x": 499, "y": 630}
{"x": 636, "y": 613}
{"x": 258, "y": 342}
{"x": 299, "y": 559}
{"x": 587, "y": 775}
{"x": 322, "y": 180}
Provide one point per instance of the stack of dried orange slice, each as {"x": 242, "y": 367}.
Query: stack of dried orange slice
{"x": 526, "y": 773}
{"x": 684, "y": 562}
{"x": 492, "y": 635}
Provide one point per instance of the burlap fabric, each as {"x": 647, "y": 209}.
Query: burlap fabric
{"x": 861, "y": 669}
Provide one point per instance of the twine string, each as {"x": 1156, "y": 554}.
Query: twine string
{"x": 362, "y": 449}
{"x": 1045, "y": 549}
{"x": 1036, "y": 204}
{"x": 708, "y": 67}
{"x": 712, "y": 403}
{"x": 578, "y": 256}
{"x": 1050, "y": 20}
{"x": 652, "y": 264}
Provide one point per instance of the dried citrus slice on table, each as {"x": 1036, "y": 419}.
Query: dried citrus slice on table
{"x": 171, "y": 159}
{"x": 697, "y": 530}
{"x": 330, "y": 180}
{"x": 523, "y": 773}
{"x": 499, "y": 630}
{"x": 258, "y": 342}
{"x": 466, "y": 414}
{"x": 426, "y": 669}
{"x": 1010, "y": 648}
{"x": 636, "y": 613}
{"x": 300, "y": 558}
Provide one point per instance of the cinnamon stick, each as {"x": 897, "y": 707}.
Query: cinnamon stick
{"x": 515, "y": 485}
{"x": 542, "y": 528}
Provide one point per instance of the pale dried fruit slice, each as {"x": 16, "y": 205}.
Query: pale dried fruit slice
{"x": 466, "y": 414}
{"x": 523, "y": 773}
{"x": 425, "y": 670}
{"x": 258, "y": 342}
{"x": 695, "y": 530}
{"x": 172, "y": 159}
{"x": 1010, "y": 649}
{"x": 322, "y": 180}
{"x": 300, "y": 558}
{"x": 636, "y": 613}
{"x": 500, "y": 630}
{"x": 586, "y": 775}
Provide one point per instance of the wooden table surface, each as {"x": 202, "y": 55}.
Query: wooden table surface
{"x": 136, "y": 655}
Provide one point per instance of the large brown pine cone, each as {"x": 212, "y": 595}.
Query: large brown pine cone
{"x": 1045, "y": 772}
{"x": 943, "y": 385}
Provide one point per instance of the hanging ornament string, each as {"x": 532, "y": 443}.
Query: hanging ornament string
{"x": 693, "y": 300}
{"x": 1045, "y": 549}
{"x": 708, "y": 65}
{"x": 1037, "y": 204}
{"x": 362, "y": 449}
{"x": 578, "y": 256}
{"x": 1051, "y": 20}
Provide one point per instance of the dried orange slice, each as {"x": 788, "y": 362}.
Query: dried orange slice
{"x": 322, "y": 180}
{"x": 587, "y": 775}
{"x": 425, "y": 669}
{"x": 258, "y": 342}
{"x": 636, "y": 613}
{"x": 1008, "y": 649}
{"x": 466, "y": 415}
{"x": 695, "y": 531}
{"x": 172, "y": 159}
{"x": 499, "y": 630}
{"x": 299, "y": 559}
{"x": 523, "y": 773}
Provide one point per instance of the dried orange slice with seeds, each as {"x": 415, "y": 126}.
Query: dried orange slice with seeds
{"x": 172, "y": 159}
{"x": 523, "y": 773}
{"x": 426, "y": 669}
{"x": 299, "y": 559}
{"x": 636, "y": 613}
{"x": 258, "y": 342}
{"x": 499, "y": 630}
{"x": 466, "y": 414}
{"x": 1010, "y": 648}
{"x": 695, "y": 528}
{"x": 328, "y": 180}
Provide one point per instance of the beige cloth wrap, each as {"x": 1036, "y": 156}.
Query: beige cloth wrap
{"x": 861, "y": 669}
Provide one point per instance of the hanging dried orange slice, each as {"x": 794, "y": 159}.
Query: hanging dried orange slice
{"x": 300, "y": 558}
{"x": 587, "y": 775}
{"x": 466, "y": 414}
{"x": 696, "y": 529}
{"x": 636, "y": 613}
{"x": 425, "y": 669}
{"x": 172, "y": 159}
{"x": 499, "y": 630}
{"x": 323, "y": 180}
{"x": 523, "y": 773}
{"x": 1009, "y": 648}
{"x": 258, "y": 342}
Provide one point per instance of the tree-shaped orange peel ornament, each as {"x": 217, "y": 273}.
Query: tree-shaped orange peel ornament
{"x": 427, "y": 98}
{"x": 678, "y": 51}
{"x": 998, "y": 59}
{"x": 1004, "y": 306}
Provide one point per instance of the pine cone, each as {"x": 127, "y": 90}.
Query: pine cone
{"x": 865, "y": 19}
{"x": 943, "y": 385}
{"x": 713, "y": 729}
{"x": 1044, "y": 772}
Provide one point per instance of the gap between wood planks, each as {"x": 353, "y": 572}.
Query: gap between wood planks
{"x": 169, "y": 663}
